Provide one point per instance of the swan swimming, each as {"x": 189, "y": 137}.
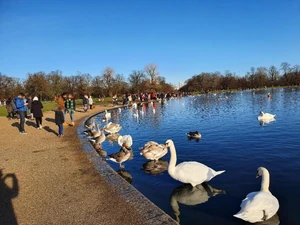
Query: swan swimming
{"x": 260, "y": 205}
{"x": 193, "y": 173}
{"x": 266, "y": 116}
{"x": 153, "y": 150}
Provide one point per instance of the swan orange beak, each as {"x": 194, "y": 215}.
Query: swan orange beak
{"x": 166, "y": 146}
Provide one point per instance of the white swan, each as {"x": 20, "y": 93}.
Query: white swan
{"x": 136, "y": 114}
{"x": 125, "y": 140}
{"x": 189, "y": 172}
{"x": 134, "y": 105}
{"x": 112, "y": 128}
{"x": 153, "y": 150}
{"x": 260, "y": 205}
{"x": 107, "y": 115}
{"x": 266, "y": 117}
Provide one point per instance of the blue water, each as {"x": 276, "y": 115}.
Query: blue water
{"x": 232, "y": 139}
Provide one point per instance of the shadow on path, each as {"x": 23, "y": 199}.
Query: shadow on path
{"x": 16, "y": 124}
{"x": 50, "y": 120}
{"x": 48, "y": 129}
{"x": 7, "y": 193}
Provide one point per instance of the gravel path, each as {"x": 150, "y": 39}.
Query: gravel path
{"x": 54, "y": 182}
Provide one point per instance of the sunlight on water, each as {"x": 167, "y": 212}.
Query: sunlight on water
{"x": 232, "y": 139}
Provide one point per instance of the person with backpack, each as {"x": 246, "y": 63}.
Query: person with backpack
{"x": 70, "y": 106}
{"x": 36, "y": 110}
{"x": 21, "y": 107}
{"x": 9, "y": 108}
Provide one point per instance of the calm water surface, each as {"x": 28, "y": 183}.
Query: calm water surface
{"x": 232, "y": 139}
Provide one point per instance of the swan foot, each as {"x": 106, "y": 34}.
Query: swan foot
{"x": 265, "y": 215}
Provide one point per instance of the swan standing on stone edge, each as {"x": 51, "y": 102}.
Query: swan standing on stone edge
{"x": 125, "y": 152}
{"x": 260, "y": 205}
{"x": 193, "y": 173}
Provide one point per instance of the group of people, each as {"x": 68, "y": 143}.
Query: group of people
{"x": 142, "y": 97}
{"x": 20, "y": 105}
{"x": 87, "y": 102}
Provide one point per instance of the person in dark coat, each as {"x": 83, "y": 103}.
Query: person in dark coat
{"x": 9, "y": 108}
{"x": 36, "y": 110}
{"x": 59, "y": 120}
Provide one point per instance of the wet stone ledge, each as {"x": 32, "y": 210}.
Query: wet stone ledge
{"x": 151, "y": 213}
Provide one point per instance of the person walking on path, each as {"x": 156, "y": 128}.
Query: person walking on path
{"x": 29, "y": 100}
{"x": 70, "y": 108}
{"x": 9, "y": 108}
{"x": 85, "y": 103}
{"x": 91, "y": 102}
{"x": 61, "y": 101}
{"x": 21, "y": 107}
{"x": 36, "y": 110}
{"x": 59, "y": 120}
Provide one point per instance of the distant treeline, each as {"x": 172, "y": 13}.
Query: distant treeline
{"x": 108, "y": 83}
{"x": 257, "y": 78}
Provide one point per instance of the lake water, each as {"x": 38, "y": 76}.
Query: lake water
{"x": 232, "y": 139}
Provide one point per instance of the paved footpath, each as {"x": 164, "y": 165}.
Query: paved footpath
{"x": 45, "y": 179}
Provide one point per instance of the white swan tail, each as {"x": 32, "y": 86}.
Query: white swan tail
{"x": 219, "y": 172}
{"x": 239, "y": 215}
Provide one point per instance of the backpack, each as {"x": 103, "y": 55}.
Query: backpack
{"x": 14, "y": 106}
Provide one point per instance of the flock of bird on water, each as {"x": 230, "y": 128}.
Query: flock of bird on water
{"x": 256, "y": 207}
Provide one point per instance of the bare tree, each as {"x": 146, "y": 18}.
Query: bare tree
{"x": 108, "y": 79}
{"x": 136, "y": 79}
{"x": 55, "y": 80}
{"x": 273, "y": 74}
{"x": 151, "y": 71}
{"x": 119, "y": 84}
{"x": 286, "y": 67}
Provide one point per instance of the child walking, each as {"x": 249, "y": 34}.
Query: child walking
{"x": 59, "y": 120}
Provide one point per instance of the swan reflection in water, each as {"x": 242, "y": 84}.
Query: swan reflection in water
{"x": 272, "y": 221}
{"x": 126, "y": 175}
{"x": 155, "y": 167}
{"x": 99, "y": 149}
{"x": 265, "y": 121}
{"x": 188, "y": 195}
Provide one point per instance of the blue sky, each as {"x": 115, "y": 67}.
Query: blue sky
{"x": 182, "y": 37}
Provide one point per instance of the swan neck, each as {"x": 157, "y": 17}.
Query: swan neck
{"x": 265, "y": 181}
{"x": 173, "y": 158}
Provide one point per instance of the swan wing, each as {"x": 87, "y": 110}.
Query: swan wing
{"x": 193, "y": 173}
{"x": 125, "y": 139}
{"x": 256, "y": 205}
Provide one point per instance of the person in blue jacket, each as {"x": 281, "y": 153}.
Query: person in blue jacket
{"x": 21, "y": 107}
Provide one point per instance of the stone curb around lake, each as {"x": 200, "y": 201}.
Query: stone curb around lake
{"x": 151, "y": 213}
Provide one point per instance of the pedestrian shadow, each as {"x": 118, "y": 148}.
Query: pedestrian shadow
{"x": 50, "y": 120}
{"x": 15, "y": 124}
{"x": 30, "y": 123}
{"x": 9, "y": 189}
{"x": 48, "y": 129}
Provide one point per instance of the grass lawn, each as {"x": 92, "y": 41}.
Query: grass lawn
{"x": 52, "y": 105}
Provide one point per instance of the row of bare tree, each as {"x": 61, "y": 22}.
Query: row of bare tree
{"x": 257, "y": 78}
{"x": 107, "y": 83}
